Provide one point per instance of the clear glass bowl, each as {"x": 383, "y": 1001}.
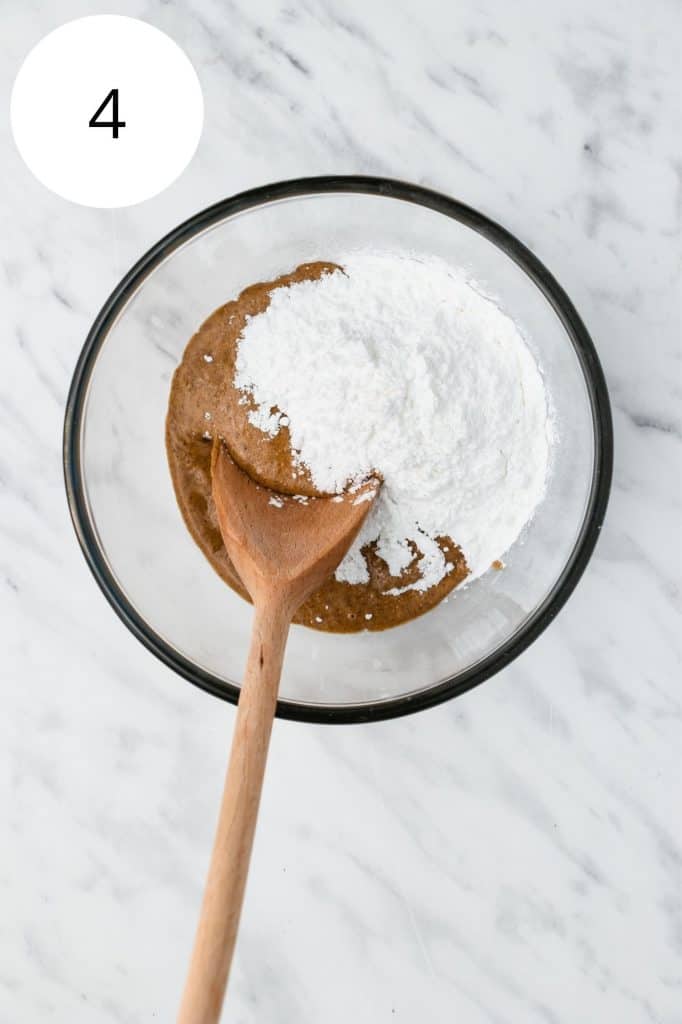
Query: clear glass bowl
{"x": 120, "y": 492}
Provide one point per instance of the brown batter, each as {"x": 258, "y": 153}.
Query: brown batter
{"x": 203, "y": 404}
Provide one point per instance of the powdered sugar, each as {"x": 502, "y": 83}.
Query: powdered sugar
{"x": 400, "y": 366}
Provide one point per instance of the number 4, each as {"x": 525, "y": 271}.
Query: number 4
{"x": 114, "y": 124}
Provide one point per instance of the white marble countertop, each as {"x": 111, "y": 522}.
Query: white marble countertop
{"x": 512, "y": 856}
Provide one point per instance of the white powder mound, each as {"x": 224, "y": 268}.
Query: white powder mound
{"x": 400, "y": 366}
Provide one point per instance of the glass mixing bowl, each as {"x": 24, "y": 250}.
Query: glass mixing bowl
{"x": 119, "y": 488}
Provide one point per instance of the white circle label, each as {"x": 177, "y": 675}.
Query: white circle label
{"x": 107, "y": 111}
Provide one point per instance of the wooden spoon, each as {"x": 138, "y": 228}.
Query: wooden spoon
{"x": 283, "y": 550}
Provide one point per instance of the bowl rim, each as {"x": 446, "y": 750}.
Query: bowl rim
{"x": 387, "y": 188}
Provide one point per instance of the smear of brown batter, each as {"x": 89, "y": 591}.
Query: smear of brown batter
{"x": 203, "y": 404}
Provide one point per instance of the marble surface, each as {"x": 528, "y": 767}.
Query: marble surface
{"x": 513, "y": 856}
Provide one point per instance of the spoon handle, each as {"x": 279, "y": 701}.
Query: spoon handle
{"x": 219, "y": 919}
